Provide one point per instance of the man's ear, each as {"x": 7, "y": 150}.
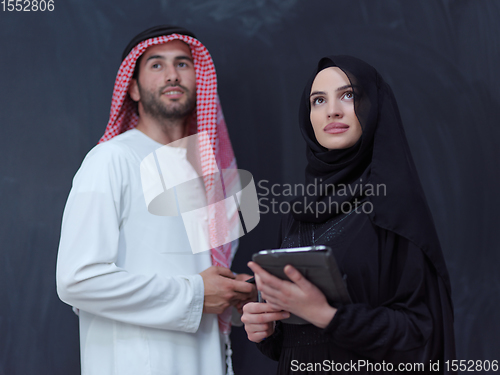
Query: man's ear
{"x": 133, "y": 90}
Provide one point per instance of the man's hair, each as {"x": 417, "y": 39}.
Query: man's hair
{"x": 152, "y": 32}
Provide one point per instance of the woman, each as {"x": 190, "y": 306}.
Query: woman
{"x": 381, "y": 231}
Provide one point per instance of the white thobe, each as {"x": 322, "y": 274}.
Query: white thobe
{"x": 132, "y": 274}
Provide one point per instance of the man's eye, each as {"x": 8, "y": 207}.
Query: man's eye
{"x": 183, "y": 65}
{"x": 156, "y": 66}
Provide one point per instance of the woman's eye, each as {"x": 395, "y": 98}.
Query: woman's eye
{"x": 348, "y": 95}
{"x": 317, "y": 101}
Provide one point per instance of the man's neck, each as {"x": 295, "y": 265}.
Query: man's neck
{"x": 163, "y": 131}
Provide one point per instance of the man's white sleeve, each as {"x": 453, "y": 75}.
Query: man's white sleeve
{"x": 87, "y": 275}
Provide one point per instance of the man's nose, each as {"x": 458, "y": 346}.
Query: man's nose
{"x": 171, "y": 74}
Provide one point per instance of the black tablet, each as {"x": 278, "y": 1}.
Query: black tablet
{"x": 316, "y": 263}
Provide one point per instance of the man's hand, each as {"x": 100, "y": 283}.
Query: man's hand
{"x": 253, "y": 295}
{"x": 223, "y": 289}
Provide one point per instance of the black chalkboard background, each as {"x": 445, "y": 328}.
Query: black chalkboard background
{"x": 57, "y": 71}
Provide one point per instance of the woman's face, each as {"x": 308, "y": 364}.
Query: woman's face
{"x": 334, "y": 121}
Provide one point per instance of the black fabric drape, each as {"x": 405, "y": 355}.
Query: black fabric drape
{"x": 381, "y": 157}
{"x": 400, "y": 312}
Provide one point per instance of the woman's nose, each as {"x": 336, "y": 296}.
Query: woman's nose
{"x": 335, "y": 109}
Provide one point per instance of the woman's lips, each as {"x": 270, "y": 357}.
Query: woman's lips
{"x": 336, "y": 128}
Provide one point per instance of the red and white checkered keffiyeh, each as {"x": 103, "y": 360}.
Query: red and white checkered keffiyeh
{"x": 208, "y": 118}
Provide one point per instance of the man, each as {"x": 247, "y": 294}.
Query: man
{"x": 147, "y": 304}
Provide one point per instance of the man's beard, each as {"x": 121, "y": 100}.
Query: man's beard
{"x": 159, "y": 110}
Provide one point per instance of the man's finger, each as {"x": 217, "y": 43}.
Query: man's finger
{"x": 238, "y": 297}
{"x": 243, "y": 287}
{"x": 243, "y": 277}
{"x": 226, "y": 272}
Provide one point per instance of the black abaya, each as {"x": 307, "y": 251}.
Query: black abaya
{"x": 396, "y": 317}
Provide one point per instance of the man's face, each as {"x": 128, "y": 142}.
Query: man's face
{"x": 166, "y": 85}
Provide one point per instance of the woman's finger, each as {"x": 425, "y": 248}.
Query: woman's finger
{"x": 258, "y": 308}
{"x": 261, "y": 335}
{"x": 265, "y": 277}
{"x": 263, "y": 318}
{"x": 294, "y": 275}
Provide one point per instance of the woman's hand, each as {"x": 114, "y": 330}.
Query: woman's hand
{"x": 299, "y": 297}
{"x": 259, "y": 320}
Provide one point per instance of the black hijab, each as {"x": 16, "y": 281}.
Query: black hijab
{"x": 380, "y": 157}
